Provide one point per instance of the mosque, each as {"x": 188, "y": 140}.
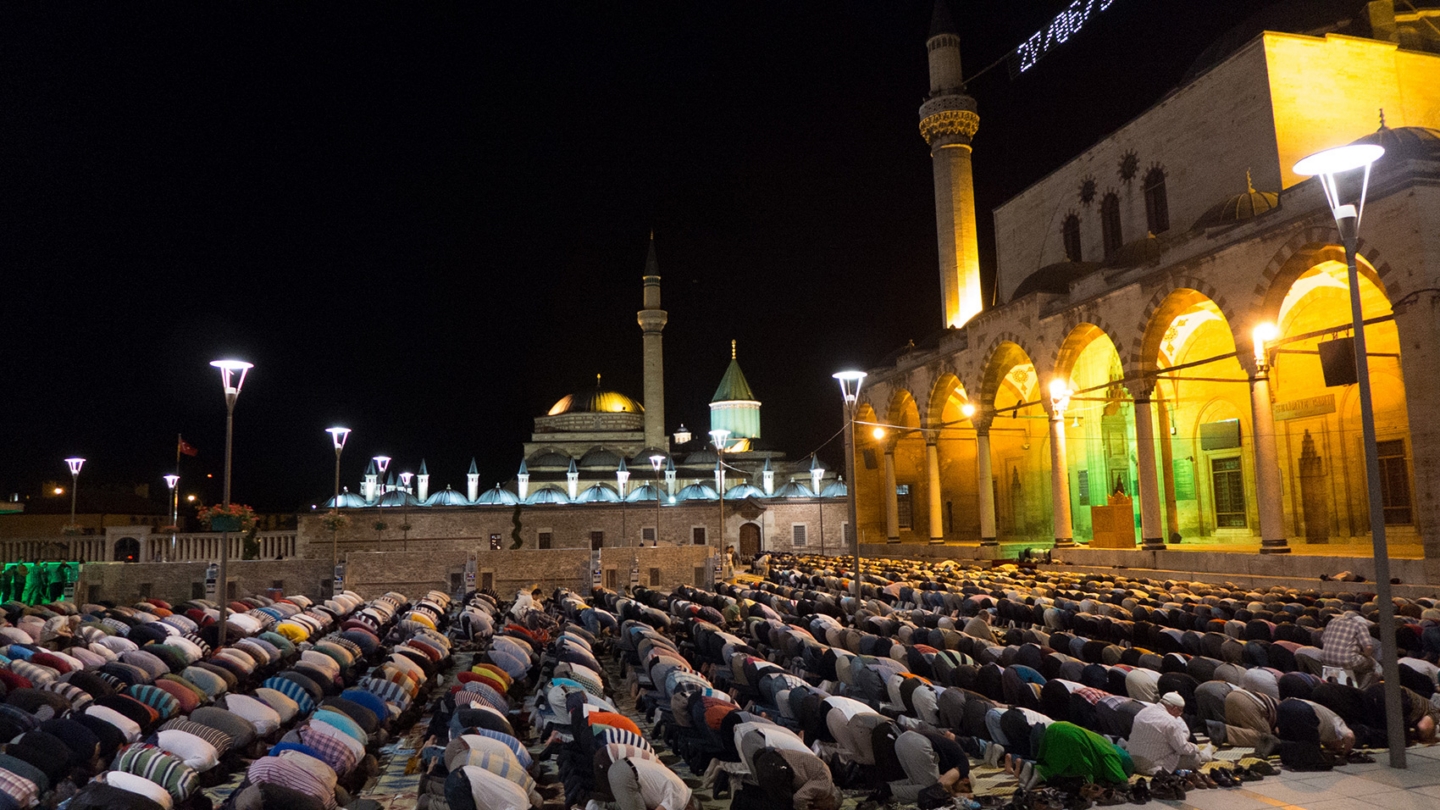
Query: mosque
{"x": 596, "y": 453}
{"x": 1161, "y": 368}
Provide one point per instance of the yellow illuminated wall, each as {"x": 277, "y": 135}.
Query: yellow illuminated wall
{"x": 1327, "y": 92}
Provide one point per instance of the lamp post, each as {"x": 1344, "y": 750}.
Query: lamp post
{"x": 338, "y": 437}
{"x": 656, "y": 461}
{"x": 405, "y": 508}
{"x": 1344, "y": 174}
{"x": 718, "y": 436}
{"x": 381, "y": 462}
{"x": 850, "y": 382}
{"x": 231, "y": 381}
{"x": 74, "y": 464}
{"x": 171, "y": 481}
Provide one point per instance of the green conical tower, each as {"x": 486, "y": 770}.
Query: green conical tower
{"x": 734, "y": 407}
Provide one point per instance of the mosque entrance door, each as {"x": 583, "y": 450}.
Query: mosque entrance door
{"x": 749, "y": 540}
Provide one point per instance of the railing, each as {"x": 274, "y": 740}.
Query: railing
{"x": 188, "y": 547}
{"x": 203, "y": 547}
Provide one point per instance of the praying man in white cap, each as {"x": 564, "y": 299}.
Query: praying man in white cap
{"x": 1160, "y": 740}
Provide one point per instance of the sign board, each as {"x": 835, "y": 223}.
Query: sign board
{"x": 594, "y": 570}
{"x": 212, "y": 574}
{"x": 339, "y": 578}
{"x": 1301, "y": 408}
{"x": 470, "y": 567}
{"x": 1184, "y": 479}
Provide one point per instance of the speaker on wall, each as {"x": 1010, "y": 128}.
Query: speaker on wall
{"x": 1337, "y": 361}
{"x": 869, "y": 455}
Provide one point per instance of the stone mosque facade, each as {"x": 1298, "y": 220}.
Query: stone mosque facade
{"x": 1119, "y": 395}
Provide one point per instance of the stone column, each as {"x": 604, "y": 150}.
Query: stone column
{"x": 937, "y": 505}
{"x": 985, "y": 478}
{"x": 1419, "y": 327}
{"x": 1267, "y": 466}
{"x": 892, "y": 502}
{"x": 1060, "y": 478}
{"x": 1151, "y": 525}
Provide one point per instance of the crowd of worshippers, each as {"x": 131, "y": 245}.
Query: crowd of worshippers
{"x": 143, "y": 708}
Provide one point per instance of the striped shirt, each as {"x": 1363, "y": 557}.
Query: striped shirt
{"x": 503, "y": 767}
{"x": 619, "y": 736}
{"x": 22, "y": 790}
{"x": 284, "y": 772}
{"x": 219, "y": 739}
{"x": 34, "y": 673}
{"x": 332, "y": 750}
{"x": 521, "y": 753}
{"x": 160, "y": 767}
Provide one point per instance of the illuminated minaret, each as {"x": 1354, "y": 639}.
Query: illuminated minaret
{"x": 652, "y": 322}
{"x": 948, "y": 121}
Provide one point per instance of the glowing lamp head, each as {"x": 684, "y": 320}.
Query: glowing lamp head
{"x": 405, "y": 478}
{"x": 967, "y": 410}
{"x": 382, "y": 462}
{"x": 75, "y": 464}
{"x": 719, "y": 436}
{"x": 1059, "y": 389}
{"x": 338, "y": 435}
{"x": 59, "y": 490}
{"x": 1344, "y": 174}
{"x": 878, "y": 433}
{"x": 849, "y": 384}
{"x": 1263, "y": 334}
{"x": 657, "y": 460}
{"x": 190, "y": 498}
{"x": 232, "y": 374}
{"x": 1339, "y": 159}
{"x": 171, "y": 481}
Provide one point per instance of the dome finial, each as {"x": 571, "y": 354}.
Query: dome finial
{"x": 1382, "y": 117}
{"x": 732, "y": 350}
{"x": 1250, "y": 186}
{"x": 597, "y": 380}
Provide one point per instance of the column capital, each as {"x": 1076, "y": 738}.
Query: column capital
{"x": 1141, "y": 388}
{"x": 981, "y": 421}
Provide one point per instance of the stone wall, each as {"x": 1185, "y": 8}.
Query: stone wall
{"x": 125, "y": 583}
{"x": 508, "y": 571}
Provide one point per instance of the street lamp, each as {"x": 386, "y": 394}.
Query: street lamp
{"x": 405, "y": 508}
{"x": 171, "y": 481}
{"x": 850, "y": 382}
{"x": 230, "y": 381}
{"x": 74, "y": 464}
{"x": 1344, "y": 174}
{"x": 338, "y": 437}
{"x": 656, "y": 461}
{"x": 718, "y": 436}
{"x": 817, "y": 474}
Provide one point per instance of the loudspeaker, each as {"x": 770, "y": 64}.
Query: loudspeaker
{"x": 1337, "y": 361}
{"x": 869, "y": 455}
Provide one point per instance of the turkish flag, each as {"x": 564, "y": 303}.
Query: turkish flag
{"x": 188, "y": 449}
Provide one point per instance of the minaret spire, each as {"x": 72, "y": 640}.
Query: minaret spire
{"x": 947, "y": 122}
{"x": 652, "y": 321}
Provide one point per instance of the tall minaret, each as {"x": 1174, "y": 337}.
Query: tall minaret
{"x": 948, "y": 121}
{"x": 652, "y": 322}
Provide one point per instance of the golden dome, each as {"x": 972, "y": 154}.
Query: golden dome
{"x": 597, "y": 400}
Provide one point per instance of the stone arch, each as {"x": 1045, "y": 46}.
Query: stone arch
{"x": 1305, "y": 250}
{"x": 946, "y": 385}
{"x": 1076, "y": 340}
{"x": 1162, "y": 310}
{"x": 1006, "y": 352}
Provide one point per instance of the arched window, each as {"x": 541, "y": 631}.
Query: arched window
{"x": 1070, "y": 232}
{"x": 1110, "y": 223}
{"x": 1157, "y": 209}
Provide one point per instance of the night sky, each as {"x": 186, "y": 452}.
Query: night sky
{"x": 428, "y": 222}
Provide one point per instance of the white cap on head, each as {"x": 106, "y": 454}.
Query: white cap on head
{"x": 1173, "y": 699}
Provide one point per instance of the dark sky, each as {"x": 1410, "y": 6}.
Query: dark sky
{"x": 428, "y": 221}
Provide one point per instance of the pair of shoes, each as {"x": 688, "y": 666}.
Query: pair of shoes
{"x": 1140, "y": 792}
{"x": 1245, "y": 774}
{"x": 1261, "y": 768}
{"x": 1358, "y": 758}
{"x": 1224, "y": 778}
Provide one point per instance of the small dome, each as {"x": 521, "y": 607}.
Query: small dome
{"x": 1246, "y": 205}
{"x": 348, "y": 500}
{"x": 396, "y": 497}
{"x": 1053, "y": 278}
{"x": 740, "y": 492}
{"x": 706, "y": 457}
{"x": 1132, "y": 254}
{"x": 550, "y": 458}
{"x": 446, "y": 497}
{"x": 547, "y": 495}
{"x": 697, "y": 492}
{"x": 596, "y": 401}
{"x": 793, "y": 489}
{"x": 1405, "y": 143}
{"x": 646, "y": 492}
{"x": 836, "y": 489}
{"x": 598, "y": 493}
{"x": 600, "y": 457}
{"x": 498, "y": 496}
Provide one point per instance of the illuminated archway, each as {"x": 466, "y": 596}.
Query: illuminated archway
{"x": 869, "y": 480}
{"x": 1100, "y": 429}
{"x": 954, "y": 438}
{"x": 905, "y": 441}
{"x": 1019, "y": 443}
{"x": 1204, "y": 437}
{"x": 1318, "y": 414}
